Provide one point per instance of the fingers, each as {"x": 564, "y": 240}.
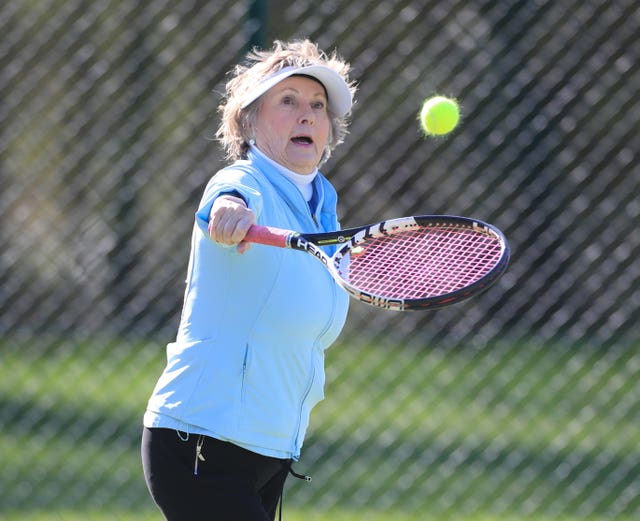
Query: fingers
{"x": 230, "y": 219}
{"x": 230, "y": 228}
{"x": 243, "y": 246}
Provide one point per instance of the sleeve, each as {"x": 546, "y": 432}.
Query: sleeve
{"x": 226, "y": 181}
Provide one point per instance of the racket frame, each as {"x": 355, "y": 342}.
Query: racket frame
{"x": 411, "y": 223}
{"x": 350, "y": 238}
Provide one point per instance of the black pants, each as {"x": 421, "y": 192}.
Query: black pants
{"x": 231, "y": 484}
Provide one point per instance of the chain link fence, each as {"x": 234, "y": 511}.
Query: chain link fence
{"x": 522, "y": 402}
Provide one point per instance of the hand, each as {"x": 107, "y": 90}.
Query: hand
{"x": 229, "y": 221}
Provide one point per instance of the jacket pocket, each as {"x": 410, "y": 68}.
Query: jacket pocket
{"x": 202, "y": 381}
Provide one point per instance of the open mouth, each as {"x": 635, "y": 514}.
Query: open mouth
{"x": 302, "y": 140}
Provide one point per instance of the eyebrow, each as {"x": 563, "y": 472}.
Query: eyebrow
{"x": 320, "y": 92}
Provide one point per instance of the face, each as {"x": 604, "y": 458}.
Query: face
{"x": 292, "y": 126}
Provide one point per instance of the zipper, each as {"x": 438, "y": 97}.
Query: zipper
{"x": 310, "y": 211}
{"x": 313, "y": 368}
{"x": 305, "y": 395}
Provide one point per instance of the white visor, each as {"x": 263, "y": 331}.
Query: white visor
{"x": 338, "y": 93}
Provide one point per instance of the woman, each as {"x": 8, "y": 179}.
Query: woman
{"x": 229, "y": 413}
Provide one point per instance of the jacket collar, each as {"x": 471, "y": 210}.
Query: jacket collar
{"x": 287, "y": 189}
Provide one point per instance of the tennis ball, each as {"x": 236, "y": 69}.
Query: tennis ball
{"x": 439, "y": 115}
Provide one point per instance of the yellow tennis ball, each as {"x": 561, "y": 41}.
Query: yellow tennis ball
{"x": 439, "y": 115}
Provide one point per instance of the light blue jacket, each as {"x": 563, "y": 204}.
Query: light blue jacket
{"x": 247, "y": 365}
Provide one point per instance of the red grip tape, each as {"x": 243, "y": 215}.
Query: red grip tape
{"x": 268, "y": 235}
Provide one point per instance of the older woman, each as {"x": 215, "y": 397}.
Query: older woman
{"x": 230, "y": 411}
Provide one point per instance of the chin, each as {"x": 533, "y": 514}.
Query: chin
{"x": 304, "y": 167}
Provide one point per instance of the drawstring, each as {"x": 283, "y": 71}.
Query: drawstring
{"x": 290, "y": 470}
{"x": 299, "y": 476}
{"x": 287, "y": 464}
{"x": 199, "y": 456}
{"x": 184, "y": 436}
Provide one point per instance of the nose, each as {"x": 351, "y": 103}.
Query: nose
{"x": 306, "y": 115}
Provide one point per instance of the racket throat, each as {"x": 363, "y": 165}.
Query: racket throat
{"x": 297, "y": 242}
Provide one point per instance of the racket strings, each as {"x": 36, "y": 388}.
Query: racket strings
{"x": 421, "y": 263}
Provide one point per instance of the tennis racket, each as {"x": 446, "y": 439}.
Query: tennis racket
{"x": 410, "y": 263}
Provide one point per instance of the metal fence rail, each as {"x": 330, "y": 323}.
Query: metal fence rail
{"x": 523, "y": 400}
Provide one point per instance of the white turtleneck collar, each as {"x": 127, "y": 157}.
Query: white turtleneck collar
{"x": 302, "y": 181}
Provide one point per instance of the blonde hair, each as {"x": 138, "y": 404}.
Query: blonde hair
{"x": 236, "y": 126}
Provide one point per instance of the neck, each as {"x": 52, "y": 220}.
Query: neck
{"x": 302, "y": 181}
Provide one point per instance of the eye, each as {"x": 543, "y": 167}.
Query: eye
{"x": 319, "y": 105}
{"x": 288, "y": 100}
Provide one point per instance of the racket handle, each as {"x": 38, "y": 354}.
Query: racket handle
{"x": 269, "y": 236}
